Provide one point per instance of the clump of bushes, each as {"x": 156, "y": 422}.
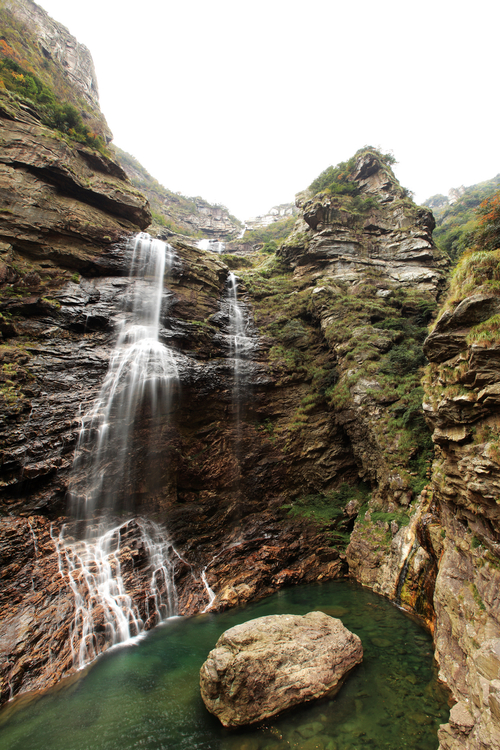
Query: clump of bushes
{"x": 61, "y": 116}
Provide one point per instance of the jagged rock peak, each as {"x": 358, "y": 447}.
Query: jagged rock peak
{"x": 357, "y": 219}
{"x": 367, "y": 173}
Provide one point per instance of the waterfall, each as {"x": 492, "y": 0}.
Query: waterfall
{"x": 213, "y": 246}
{"x": 100, "y": 567}
{"x": 142, "y": 374}
{"x": 237, "y": 325}
{"x": 241, "y": 345}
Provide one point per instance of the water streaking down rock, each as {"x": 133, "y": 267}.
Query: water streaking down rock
{"x": 265, "y": 666}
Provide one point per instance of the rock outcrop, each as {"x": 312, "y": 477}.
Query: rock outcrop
{"x": 369, "y": 276}
{"x": 47, "y": 47}
{"x": 61, "y": 200}
{"x": 58, "y": 44}
{"x": 268, "y": 665}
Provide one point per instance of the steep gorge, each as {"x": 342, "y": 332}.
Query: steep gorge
{"x": 327, "y": 447}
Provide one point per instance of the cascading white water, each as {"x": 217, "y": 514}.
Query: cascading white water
{"x": 140, "y": 379}
{"x": 141, "y": 373}
{"x": 241, "y": 343}
{"x": 105, "y": 613}
{"x": 213, "y": 246}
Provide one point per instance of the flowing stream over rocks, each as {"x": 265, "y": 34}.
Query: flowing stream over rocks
{"x": 141, "y": 376}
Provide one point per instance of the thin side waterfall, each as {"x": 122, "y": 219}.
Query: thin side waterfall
{"x": 237, "y": 324}
{"x": 121, "y": 573}
{"x": 241, "y": 345}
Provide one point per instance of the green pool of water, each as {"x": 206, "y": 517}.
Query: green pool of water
{"x": 146, "y": 696}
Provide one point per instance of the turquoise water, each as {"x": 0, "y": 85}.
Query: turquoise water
{"x": 146, "y": 696}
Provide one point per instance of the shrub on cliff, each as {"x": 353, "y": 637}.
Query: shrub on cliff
{"x": 457, "y": 224}
{"x": 61, "y": 116}
{"x": 338, "y": 180}
{"x": 487, "y": 236}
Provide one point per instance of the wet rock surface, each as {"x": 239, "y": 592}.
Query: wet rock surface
{"x": 265, "y": 666}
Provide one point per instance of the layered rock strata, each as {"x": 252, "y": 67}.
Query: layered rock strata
{"x": 461, "y": 404}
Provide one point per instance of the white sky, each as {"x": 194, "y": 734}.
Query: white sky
{"x": 245, "y": 103}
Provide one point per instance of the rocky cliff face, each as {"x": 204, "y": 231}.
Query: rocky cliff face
{"x": 68, "y": 212}
{"x": 461, "y": 404}
{"x": 46, "y": 47}
{"x": 241, "y": 458}
{"x": 59, "y": 45}
{"x": 220, "y": 489}
{"x": 276, "y": 213}
{"x": 266, "y": 471}
{"x": 376, "y": 275}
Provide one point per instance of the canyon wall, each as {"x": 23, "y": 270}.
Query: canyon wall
{"x": 311, "y": 461}
{"x": 461, "y": 404}
{"x": 57, "y": 44}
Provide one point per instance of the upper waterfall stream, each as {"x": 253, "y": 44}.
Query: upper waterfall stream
{"x": 141, "y": 374}
{"x": 110, "y": 607}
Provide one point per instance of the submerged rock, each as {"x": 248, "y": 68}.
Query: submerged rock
{"x": 265, "y": 666}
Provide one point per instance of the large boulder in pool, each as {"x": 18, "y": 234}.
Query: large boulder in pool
{"x": 270, "y": 664}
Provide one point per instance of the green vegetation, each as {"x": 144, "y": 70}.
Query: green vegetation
{"x": 458, "y": 226}
{"x": 477, "y": 596}
{"x": 30, "y": 78}
{"x": 63, "y": 117}
{"x": 379, "y": 340}
{"x": 327, "y": 510}
{"x": 338, "y": 180}
{"x": 236, "y": 261}
{"x": 267, "y": 239}
{"x": 402, "y": 519}
{"x": 487, "y": 235}
{"x": 15, "y": 376}
{"x": 478, "y": 271}
{"x": 274, "y": 232}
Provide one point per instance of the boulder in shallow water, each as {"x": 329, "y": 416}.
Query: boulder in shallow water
{"x": 270, "y": 664}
